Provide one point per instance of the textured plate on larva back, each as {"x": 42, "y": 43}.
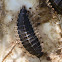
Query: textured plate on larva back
{"x": 27, "y": 35}
{"x": 57, "y": 5}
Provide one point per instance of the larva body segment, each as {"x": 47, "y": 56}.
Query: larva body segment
{"x": 27, "y": 35}
{"x": 57, "y": 5}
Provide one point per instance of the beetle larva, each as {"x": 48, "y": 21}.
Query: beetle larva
{"x": 57, "y": 5}
{"x": 27, "y": 35}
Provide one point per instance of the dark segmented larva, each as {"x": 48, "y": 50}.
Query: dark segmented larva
{"x": 57, "y": 5}
{"x": 27, "y": 35}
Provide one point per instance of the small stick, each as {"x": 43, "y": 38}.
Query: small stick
{"x": 8, "y": 53}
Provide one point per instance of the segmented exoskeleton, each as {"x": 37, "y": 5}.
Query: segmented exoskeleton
{"x": 57, "y": 5}
{"x": 27, "y": 35}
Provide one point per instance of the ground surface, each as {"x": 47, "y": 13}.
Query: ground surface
{"x": 49, "y": 29}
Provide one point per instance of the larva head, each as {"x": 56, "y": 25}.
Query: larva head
{"x": 23, "y": 16}
{"x": 23, "y": 11}
{"x": 57, "y": 5}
